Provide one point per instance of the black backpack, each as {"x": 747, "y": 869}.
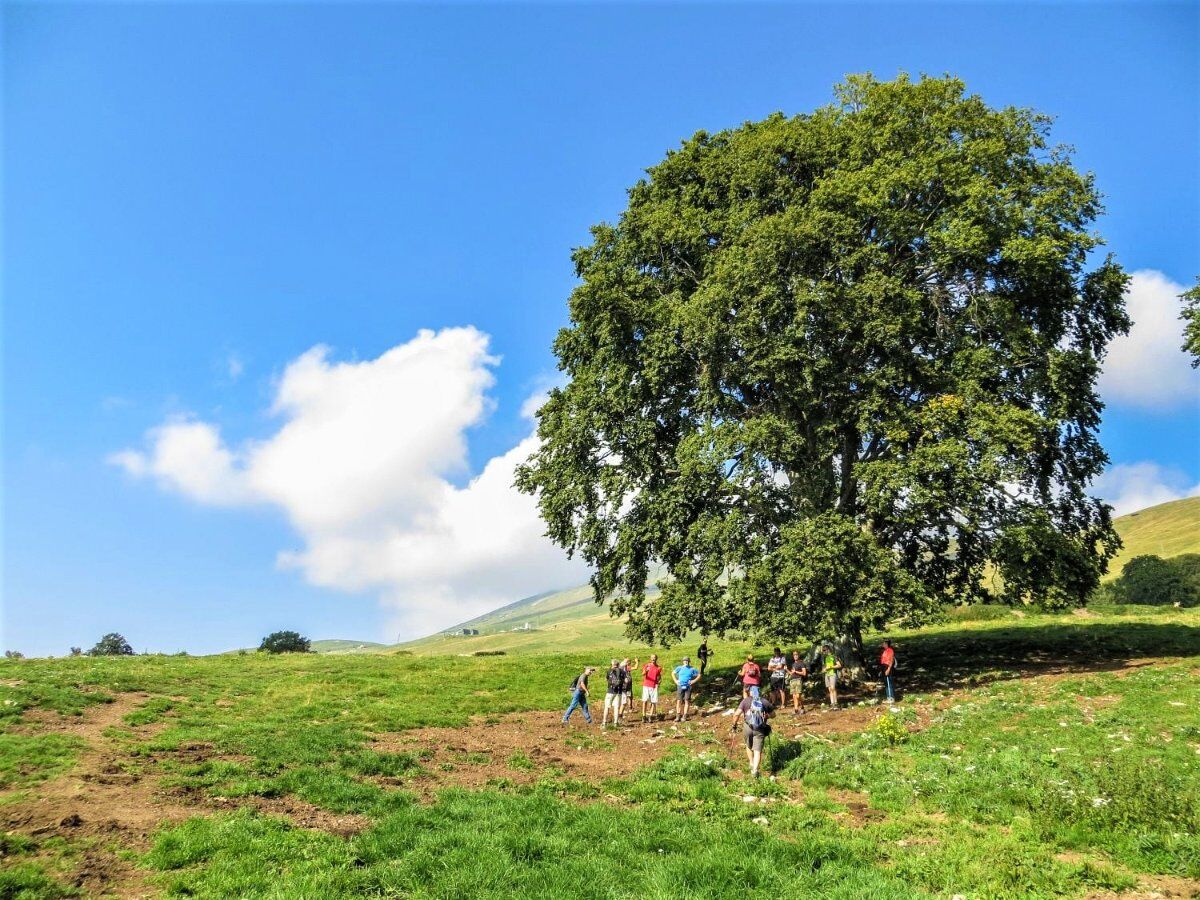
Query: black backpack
{"x": 615, "y": 678}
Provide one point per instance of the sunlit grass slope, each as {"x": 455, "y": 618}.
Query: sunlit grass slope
{"x": 1168, "y": 529}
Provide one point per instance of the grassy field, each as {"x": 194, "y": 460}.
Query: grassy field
{"x": 1029, "y": 757}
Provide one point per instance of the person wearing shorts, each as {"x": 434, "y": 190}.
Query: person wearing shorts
{"x": 686, "y": 678}
{"x": 797, "y": 672}
{"x": 627, "y": 686}
{"x": 613, "y": 678}
{"x": 831, "y": 664}
{"x": 754, "y": 736}
{"x": 778, "y": 669}
{"x": 651, "y": 675}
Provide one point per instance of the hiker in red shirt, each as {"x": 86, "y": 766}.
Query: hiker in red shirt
{"x": 750, "y": 673}
{"x": 651, "y": 675}
{"x": 887, "y": 664}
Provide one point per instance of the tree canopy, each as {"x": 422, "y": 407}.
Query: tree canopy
{"x": 111, "y": 644}
{"x": 827, "y": 368}
{"x": 1191, "y": 323}
{"x": 1152, "y": 580}
{"x": 284, "y": 642}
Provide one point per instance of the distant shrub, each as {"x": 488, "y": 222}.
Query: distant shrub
{"x": 13, "y": 654}
{"x": 1154, "y": 581}
{"x": 285, "y": 642}
{"x": 111, "y": 644}
{"x": 77, "y": 651}
{"x": 488, "y": 653}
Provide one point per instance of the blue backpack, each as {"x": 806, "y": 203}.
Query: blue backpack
{"x": 756, "y": 715}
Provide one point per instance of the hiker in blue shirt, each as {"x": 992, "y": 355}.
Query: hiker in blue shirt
{"x": 686, "y": 679}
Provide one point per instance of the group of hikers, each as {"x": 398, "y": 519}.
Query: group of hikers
{"x": 763, "y": 691}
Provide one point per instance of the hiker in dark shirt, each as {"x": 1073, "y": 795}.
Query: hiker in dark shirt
{"x": 797, "y": 672}
{"x": 614, "y": 681}
{"x": 753, "y": 712}
{"x": 579, "y": 696}
{"x": 702, "y": 654}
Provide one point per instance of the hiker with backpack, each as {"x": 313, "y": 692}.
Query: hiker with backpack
{"x": 651, "y": 674}
{"x": 797, "y": 672}
{"x": 887, "y": 666}
{"x": 686, "y": 678}
{"x": 579, "y": 696}
{"x": 778, "y": 669}
{"x": 614, "y": 678}
{"x": 754, "y": 712}
{"x": 750, "y": 673}
{"x": 627, "y": 668}
{"x": 830, "y": 666}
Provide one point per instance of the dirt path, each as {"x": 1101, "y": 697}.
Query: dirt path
{"x": 102, "y": 805}
{"x": 111, "y": 802}
{"x": 523, "y": 747}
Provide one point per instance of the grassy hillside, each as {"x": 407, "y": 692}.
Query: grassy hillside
{"x": 1168, "y": 529}
{"x": 1047, "y": 757}
{"x": 337, "y": 646}
{"x": 558, "y": 621}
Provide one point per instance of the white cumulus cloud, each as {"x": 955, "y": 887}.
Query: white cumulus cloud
{"x": 362, "y": 463}
{"x": 1147, "y": 367}
{"x": 1133, "y": 486}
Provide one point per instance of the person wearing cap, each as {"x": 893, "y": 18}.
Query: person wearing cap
{"x": 686, "y": 678}
{"x": 579, "y": 696}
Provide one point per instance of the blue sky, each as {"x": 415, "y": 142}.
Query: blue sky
{"x": 196, "y": 195}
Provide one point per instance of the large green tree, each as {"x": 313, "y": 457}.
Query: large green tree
{"x": 1191, "y": 323}
{"x": 827, "y": 369}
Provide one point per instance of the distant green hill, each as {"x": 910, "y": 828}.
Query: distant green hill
{"x": 1168, "y": 529}
{"x": 346, "y": 647}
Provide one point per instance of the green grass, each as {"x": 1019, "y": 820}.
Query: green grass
{"x": 27, "y": 759}
{"x": 984, "y": 801}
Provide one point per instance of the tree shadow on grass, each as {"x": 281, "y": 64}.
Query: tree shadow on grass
{"x": 972, "y": 657}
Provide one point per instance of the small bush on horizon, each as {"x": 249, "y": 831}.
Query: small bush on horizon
{"x": 112, "y": 644}
{"x": 285, "y": 642}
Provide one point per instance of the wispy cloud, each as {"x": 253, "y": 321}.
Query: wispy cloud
{"x": 1133, "y": 486}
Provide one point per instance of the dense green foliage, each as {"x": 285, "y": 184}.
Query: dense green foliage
{"x": 284, "y": 642}
{"x": 1155, "y": 581}
{"x": 111, "y": 644}
{"x": 827, "y": 368}
{"x": 981, "y": 793}
{"x": 1191, "y": 323}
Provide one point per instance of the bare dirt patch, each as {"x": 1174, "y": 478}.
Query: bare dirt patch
{"x": 1154, "y": 887}
{"x": 520, "y": 748}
